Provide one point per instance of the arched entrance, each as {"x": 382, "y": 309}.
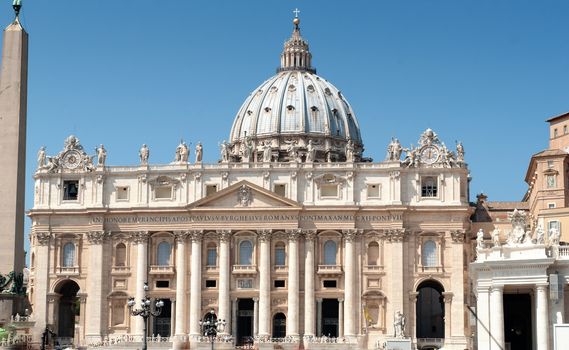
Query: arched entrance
{"x": 279, "y": 325}
{"x": 430, "y": 310}
{"x": 68, "y": 308}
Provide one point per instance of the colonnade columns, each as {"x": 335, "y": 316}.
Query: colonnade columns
{"x": 448, "y": 313}
{"x": 195, "y": 283}
{"x": 349, "y": 282}
{"x": 234, "y": 302}
{"x": 224, "y": 279}
{"x": 180, "y": 322}
{"x": 413, "y": 315}
{"x": 483, "y": 318}
{"x": 255, "y": 317}
{"x": 340, "y": 317}
{"x": 542, "y": 318}
{"x": 396, "y": 288}
{"x": 140, "y": 238}
{"x": 319, "y": 317}
{"x": 497, "y": 318}
{"x": 264, "y": 238}
{"x": 309, "y": 236}
{"x": 41, "y": 306}
{"x": 95, "y": 286}
{"x": 293, "y": 284}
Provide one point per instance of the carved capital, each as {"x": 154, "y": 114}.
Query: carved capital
{"x": 139, "y": 237}
{"x": 457, "y": 236}
{"x": 293, "y": 234}
{"x": 447, "y": 297}
{"x": 224, "y": 235}
{"x": 42, "y": 238}
{"x": 97, "y": 237}
{"x": 350, "y": 234}
{"x": 264, "y": 235}
{"x": 395, "y": 174}
{"x": 196, "y": 235}
{"x": 181, "y": 236}
{"x": 309, "y": 235}
{"x": 397, "y": 235}
{"x": 413, "y": 297}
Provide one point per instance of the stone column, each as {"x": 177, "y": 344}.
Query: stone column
{"x": 264, "y": 239}
{"x": 234, "y": 317}
{"x": 497, "y": 318}
{"x": 340, "y": 317}
{"x": 181, "y": 287}
{"x": 542, "y": 317}
{"x": 396, "y": 287}
{"x": 413, "y": 315}
{"x": 293, "y": 284}
{"x": 349, "y": 282}
{"x": 255, "y": 317}
{"x": 95, "y": 286}
{"x": 140, "y": 238}
{"x": 319, "y": 317}
{"x": 309, "y": 236}
{"x": 448, "y": 313}
{"x": 224, "y": 278}
{"x": 41, "y": 273}
{"x": 195, "y": 283}
{"x": 483, "y": 317}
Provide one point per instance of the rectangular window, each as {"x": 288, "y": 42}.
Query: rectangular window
{"x": 211, "y": 256}
{"x": 554, "y": 132}
{"x": 373, "y": 191}
{"x": 329, "y": 191}
{"x": 550, "y": 164}
{"x": 210, "y": 283}
{"x": 163, "y": 192}
{"x": 551, "y": 181}
{"x": 329, "y": 283}
{"x": 429, "y": 187}
{"x": 122, "y": 193}
{"x": 245, "y": 283}
{"x": 554, "y": 225}
{"x": 70, "y": 190}
{"x": 162, "y": 284}
{"x": 565, "y": 129}
{"x": 210, "y": 189}
{"x": 279, "y": 283}
{"x": 280, "y": 189}
{"x": 550, "y": 205}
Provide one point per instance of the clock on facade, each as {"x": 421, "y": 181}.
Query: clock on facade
{"x": 429, "y": 154}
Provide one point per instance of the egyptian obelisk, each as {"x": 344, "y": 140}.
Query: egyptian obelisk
{"x": 13, "y": 106}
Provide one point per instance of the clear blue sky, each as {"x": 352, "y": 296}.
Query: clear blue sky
{"x": 123, "y": 73}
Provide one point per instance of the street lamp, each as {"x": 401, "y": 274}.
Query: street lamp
{"x": 145, "y": 311}
{"x": 210, "y": 326}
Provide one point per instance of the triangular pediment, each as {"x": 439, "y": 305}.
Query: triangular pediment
{"x": 244, "y": 194}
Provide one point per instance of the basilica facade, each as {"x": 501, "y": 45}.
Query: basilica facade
{"x": 293, "y": 238}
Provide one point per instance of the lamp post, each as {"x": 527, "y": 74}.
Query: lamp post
{"x": 145, "y": 311}
{"x": 210, "y": 326}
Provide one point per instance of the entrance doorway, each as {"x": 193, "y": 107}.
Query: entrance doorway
{"x": 68, "y": 308}
{"x": 430, "y": 310}
{"x": 279, "y": 325}
{"x": 245, "y": 321}
{"x": 330, "y": 317}
{"x": 517, "y": 321}
{"x": 163, "y": 322}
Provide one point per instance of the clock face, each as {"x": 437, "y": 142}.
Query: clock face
{"x": 72, "y": 160}
{"x": 429, "y": 154}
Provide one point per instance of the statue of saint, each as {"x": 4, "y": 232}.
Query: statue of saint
{"x": 144, "y": 153}
{"x": 480, "y": 239}
{"x": 311, "y": 151}
{"x": 394, "y": 150}
{"x": 350, "y": 151}
{"x": 101, "y": 155}
{"x": 199, "y": 152}
{"x": 224, "y": 152}
{"x": 41, "y": 157}
{"x": 459, "y": 152}
{"x": 267, "y": 152}
{"x": 496, "y": 237}
{"x": 399, "y": 325}
{"x": 554, "y": 236}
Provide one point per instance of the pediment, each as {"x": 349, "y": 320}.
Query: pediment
{"x": 244, "y": 194}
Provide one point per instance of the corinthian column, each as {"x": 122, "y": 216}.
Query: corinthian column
{"x": 140, "y": 238}
{"x": 497, "y": 318}
{"x": 224, "y": 278}
{"x": 41, "y": 241}
{"x": 95, "y": 286}
{"x": 541, "y": 315}
{"x": 349, "y": 282}
{"x": 309, "y": 305}
{"x": 181, "y": 287}
{"x": 195, "y": 283}
{"x": 264, "y": 237}
{"x": 293, "y": 284}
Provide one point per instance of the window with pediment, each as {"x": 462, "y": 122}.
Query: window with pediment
{"x": 373, "y": 254}
{"x": 120, "y": 254}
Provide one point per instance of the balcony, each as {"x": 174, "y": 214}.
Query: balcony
{"x": 244, "y": 269}
{"x": 211, "y": 268}
{"x": 373, "y": 269}
{"x": 161, "y": 270}
{"x": 120, "y": 270}
{"x": 329, "y": 270}
{"x": 430, "y": 269}
{"x": 67, "y": 270}
{"x": 280, "y": 269}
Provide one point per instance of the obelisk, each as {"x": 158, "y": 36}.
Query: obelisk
{"x": 13, "y": 106}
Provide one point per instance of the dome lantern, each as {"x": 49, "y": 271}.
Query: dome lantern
{"x": 296, "y": 55}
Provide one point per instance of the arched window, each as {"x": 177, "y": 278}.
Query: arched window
{"x": 120, "y": 255}
{"x": 69, "y": 255}
{"x": 279, "y": 325}
{"x": 246, "y": 253}
{"x": 164, "y": 251}
{"x": 280, "y": 255}
{"x": 330, "y": 253}
{"x": 211, "y": 255}
{"x": 429, "y": 253}
{"x": 373, "y": 253}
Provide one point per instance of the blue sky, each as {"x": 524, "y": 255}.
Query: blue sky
{"x": 123, "y": 73}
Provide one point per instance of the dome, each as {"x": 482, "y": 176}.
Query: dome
{"x": 296, "y": 115}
